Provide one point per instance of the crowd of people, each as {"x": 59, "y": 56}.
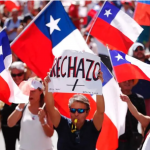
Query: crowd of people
{"x": 17, "y": 119}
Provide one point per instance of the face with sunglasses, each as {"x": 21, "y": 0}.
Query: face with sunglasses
{"x": 139, "y": 53}
{"x": 17, "y": 75}
{"x": 78, "y": 111}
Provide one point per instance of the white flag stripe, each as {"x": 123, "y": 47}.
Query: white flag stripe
{"x": 16, "y": 96}
{"x": 141, "y": 65}
{"x": 115, "y": 108}
{"x": 74, "y": 41}
{"x": 127, "y": 25}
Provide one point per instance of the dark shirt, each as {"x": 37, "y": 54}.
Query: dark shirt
{"x": 131, "y": 122}
{"x": 6, "y": 111}
{"x": 143, "y": 86}
{"x": 87, "y": 136}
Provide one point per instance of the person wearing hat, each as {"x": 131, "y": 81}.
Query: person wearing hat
{"x": 143, "y": 86}
{"x": 36, "y": 126}
{"x": 18, "y": 73}
{"x": 76, "y": 133}
{"x": 131, "y": 133}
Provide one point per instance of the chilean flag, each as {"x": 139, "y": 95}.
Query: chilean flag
{"x": 47, "y": 35}
{"x": 115, "y": 28}
{"x": 52, "y": 32}
{"x": 9, "y": 91}
{"x": 142, "y": 13}
{"x": 127, "y": 67}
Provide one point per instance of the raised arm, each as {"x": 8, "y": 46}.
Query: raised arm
{"x": 99, "y": 113}
{"x": 49, "y": 100}
{"x": 15, "y": 116}
{"x": 46, "y": 123}
{"x": 144, "y": 120}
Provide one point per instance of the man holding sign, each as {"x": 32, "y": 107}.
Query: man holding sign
{"x": 76, "y": 133}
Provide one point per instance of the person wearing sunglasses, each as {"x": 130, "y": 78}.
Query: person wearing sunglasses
{"x": 143, "y": 86}
{"x": 76, "y": 133}
{"x": 18, "y": 73}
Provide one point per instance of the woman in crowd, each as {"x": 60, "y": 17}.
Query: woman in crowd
{"x": 143, "y": 119}
{"x": 18, "y": 73}
{"x": 76, "y": 133}
{"x": 36, "y": 127}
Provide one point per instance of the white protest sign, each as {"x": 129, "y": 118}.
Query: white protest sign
{"x": 76, "y": 72}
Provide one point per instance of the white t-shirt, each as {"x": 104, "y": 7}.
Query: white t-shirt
{"x": 11, "y": 25}
{"x": 32, "y": 136}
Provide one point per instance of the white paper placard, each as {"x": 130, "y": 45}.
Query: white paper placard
{"x": 75, "y": 72}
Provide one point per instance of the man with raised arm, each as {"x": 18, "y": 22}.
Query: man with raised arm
{"x": 76, "y": 133}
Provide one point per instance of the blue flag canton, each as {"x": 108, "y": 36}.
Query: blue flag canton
{"x": 106, "y": 74}
{"x": 55, "y": 23}
{"x": 108, "y": 12}
{"x": 118, "y": 58}
{"x": 4, "y": 49}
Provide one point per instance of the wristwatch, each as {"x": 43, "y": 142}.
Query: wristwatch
{"x": 19, "y": 109}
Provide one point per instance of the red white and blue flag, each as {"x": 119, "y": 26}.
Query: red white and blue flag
{"x": 47, "y": 36}
{"x": 127, "y": 67}
{"x": 115, "y": 28}
{"x": 9, "y": 91}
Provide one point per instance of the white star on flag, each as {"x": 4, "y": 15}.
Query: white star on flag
{"x": 107, "y": 12}
{"x": 53, "y": 24}
{"x": 118, "y": 57}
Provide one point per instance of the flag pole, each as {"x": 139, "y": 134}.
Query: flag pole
{"x": 96, "y": 16}
{"x": 30, "y": 23}
{"x": 111, "y": 63}
{"x": 3, "y": 29}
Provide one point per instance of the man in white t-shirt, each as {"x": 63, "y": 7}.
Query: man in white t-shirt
{"x": 12, "y": 24}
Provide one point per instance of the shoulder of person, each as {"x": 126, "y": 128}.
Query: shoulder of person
{"x": 147, "y": 61}
{"x": 7, "y": 21}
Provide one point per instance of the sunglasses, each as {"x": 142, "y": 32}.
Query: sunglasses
{"x": 79, "y": 110}
{"x": 139, "y": 48}
{"x": 19, "y": 74}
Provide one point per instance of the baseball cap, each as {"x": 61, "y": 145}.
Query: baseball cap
{"x": 135, "y": 45}
{"x": 30, "y": 85}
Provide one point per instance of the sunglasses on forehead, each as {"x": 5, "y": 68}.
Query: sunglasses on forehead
{"x": 79, "y": 110}
{"x": 19, "y": 74}
{"x": 139, "y": 48}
